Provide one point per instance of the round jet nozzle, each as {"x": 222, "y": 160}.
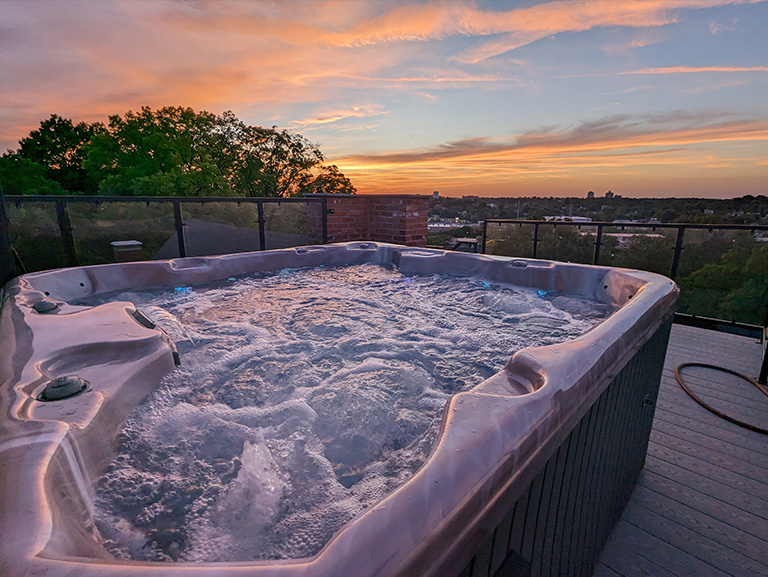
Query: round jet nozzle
{"x": 63, "y": 388}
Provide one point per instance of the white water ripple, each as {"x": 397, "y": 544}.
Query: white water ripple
{"x": 304, "y": 397}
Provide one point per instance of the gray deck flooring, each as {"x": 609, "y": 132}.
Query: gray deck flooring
{"x": 700, "y": 507}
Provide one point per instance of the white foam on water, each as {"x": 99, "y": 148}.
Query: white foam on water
{"x": 304, "y": 397}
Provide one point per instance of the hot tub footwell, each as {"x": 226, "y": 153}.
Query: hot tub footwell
{"x": 559, "y": 524}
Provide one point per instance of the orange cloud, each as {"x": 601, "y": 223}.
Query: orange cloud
{"x": 675, "y": 70}
{"x": 615, "y": 146}
{"x": 330, "y": 117}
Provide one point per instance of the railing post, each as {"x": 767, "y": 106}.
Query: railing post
{"x": 598, "y": 244}
{"x": 65, "y": 226}
{"x": 678, "y": 250}
{"x": 178, "y": 222}
{"x": 485, "y": 235}
{"x": 535, "y": 239}
{"x": 763, "y": 376}
{"x": 262, "y": 234}
{"x": 7, "y": 263}
{"x": 764, "y": 365}
{"x": 324, "y": 217}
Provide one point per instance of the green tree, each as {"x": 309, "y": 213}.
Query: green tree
{"x": 736, "y": 287}
{"x": 285, "y": 160}
{"x": 58, "y": 146}
{"x": 177, "y": 151}
{"x": 651, "y": 253}
{"x": 171, "y": 151}
{"x": 330, "y": 180}
{"x": 20, "y": 175}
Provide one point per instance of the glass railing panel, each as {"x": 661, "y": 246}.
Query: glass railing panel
{"x": 565, "y": 243}
{"x": 33, "y": 228}
{"x": 724, "y": 274}
{"x": 509, "y": 239}
{"x": 285, "y": 224}
{"x": 643, "y": 248}
{"x": 96, "y": 225}
{"x": 213, "y": 228}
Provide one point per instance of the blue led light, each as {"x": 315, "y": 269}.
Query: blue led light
{"x": 541, "y": 293}
{"x": 486, "y": 285}
{"x": 182, "y": 290}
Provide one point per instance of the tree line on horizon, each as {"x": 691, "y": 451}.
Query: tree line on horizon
{"x": 746, "y": 209}
{"x": 170, "y": 151}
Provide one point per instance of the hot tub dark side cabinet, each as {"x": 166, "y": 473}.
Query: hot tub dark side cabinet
{"x": 560, "y": 522}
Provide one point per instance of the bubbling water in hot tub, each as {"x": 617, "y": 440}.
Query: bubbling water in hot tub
{"x": 305, "y": 397}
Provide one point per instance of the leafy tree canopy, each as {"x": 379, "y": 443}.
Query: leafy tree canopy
{"x": 58, "y": 146}
{"x": 22, "y": 176}
{"x": 171, "y": 151}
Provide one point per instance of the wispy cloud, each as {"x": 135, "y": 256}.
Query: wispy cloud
{"x": 607, "y": 134}
{"x": 613, "y": 143}
{"x": 427, "y": 96}
{"x": 694, "y": 69}
{"x": 719, "y": 27}
{"x": 339, "y": 115}
{"x": 672, "y": 70}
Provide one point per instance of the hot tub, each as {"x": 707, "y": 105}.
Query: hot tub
{"x": 530, "y": 472}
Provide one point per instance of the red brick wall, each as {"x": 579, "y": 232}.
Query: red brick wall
{"x": 396, "y": 219}
{"x": 349, "y": 219}
{"x": 400, "y": 220}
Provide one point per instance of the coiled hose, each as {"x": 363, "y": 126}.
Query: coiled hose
{"x": 711, "y": 409}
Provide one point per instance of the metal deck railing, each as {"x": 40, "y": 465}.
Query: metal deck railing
{"x": 598, "y": 227}
{"x": 50, "y": 219}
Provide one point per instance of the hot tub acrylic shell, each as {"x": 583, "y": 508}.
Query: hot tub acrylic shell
{"x": 497, "y": 441}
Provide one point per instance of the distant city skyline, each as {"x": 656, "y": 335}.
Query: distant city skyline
{"x": 646, "y": 98}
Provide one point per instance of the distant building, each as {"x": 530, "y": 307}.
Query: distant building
{"x": 625, "y": 238}
{"x": 591, "y": 194}
{"x": 563, "y": 218}
{"x": 609, "y": 194}
{"x": 436, "y": 194}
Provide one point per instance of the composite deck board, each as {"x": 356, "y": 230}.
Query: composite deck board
{"x": 702, "y": 484}
{"x": 739, "y": 440}
{"x": 720, "y": 385}
{"x": 703, "y": 524}
{"x": 602, "y": 570}
{"x": 713, "y": 455}
{"x": 706, "y": 504}
{"x": 727, "y": 471}
{"x": 700, "y": 506}
{"x": 705, "y": 442}
{"x": 746, "y": 408}
{"x": 739, "y": 437}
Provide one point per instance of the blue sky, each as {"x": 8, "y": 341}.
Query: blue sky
{"x": 645, "y": 98}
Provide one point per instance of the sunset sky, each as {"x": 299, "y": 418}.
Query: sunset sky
{"x": 517, "y": 98}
